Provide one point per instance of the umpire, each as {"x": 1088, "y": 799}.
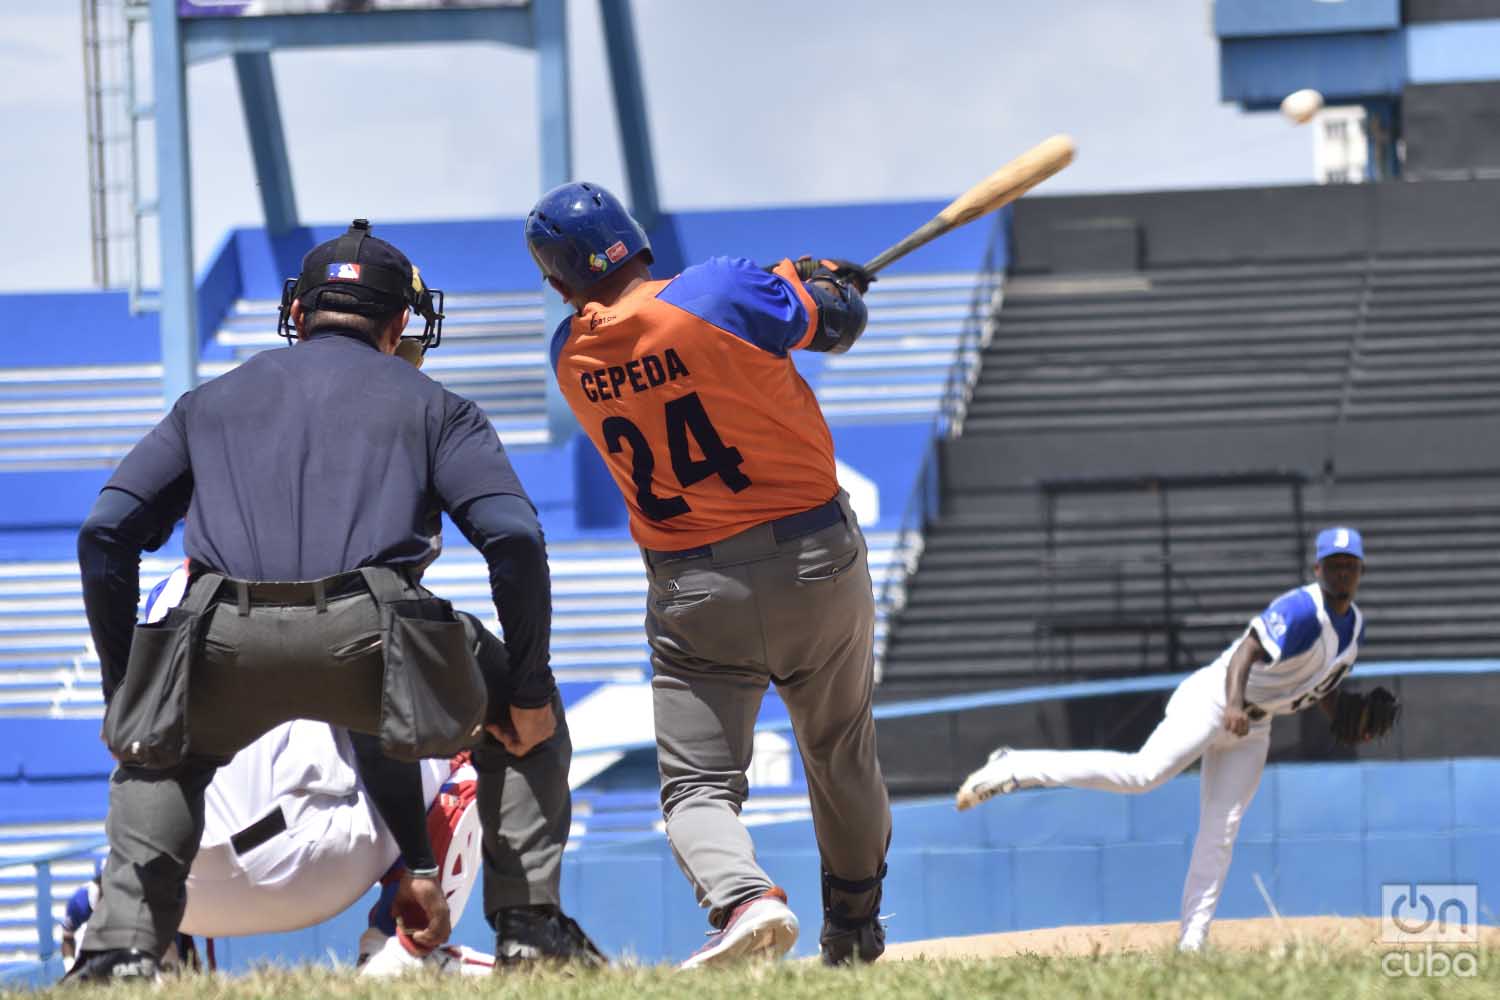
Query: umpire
{"x": 308, "y": 476}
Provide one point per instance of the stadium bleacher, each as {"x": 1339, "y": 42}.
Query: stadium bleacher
{"x": 493, "y": 351}
{"x": 1271, "y": 342}
{"x": 994, "y": 604}
{"x": 1291, "y": 392}
{"x": 40, "y": 817}
{"x": 48, "y": 667}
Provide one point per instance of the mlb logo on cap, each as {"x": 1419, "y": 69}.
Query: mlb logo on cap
{"x": 343, "y": 272}
{"x": 1340, "y": 541}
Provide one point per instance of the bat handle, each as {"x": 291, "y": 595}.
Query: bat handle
{"x": 928, "y": 232}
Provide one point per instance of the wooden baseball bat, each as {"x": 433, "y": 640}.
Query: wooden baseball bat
{"x": 1000, "y": 188}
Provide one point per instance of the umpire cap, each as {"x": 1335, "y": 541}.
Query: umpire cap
{"x": 364, "y": 275}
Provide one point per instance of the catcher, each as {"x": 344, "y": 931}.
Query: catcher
{"x": 1292, "y": 655}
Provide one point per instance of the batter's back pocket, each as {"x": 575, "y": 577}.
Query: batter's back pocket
{"x": 433, "y": 699}
{"x": 146, "y": 722}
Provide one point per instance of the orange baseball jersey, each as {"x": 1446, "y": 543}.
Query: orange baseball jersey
{"x": 686, "y": 388}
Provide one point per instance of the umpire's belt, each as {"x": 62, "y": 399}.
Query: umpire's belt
{"x": 292, "y": 593}
{"x": 784, "y": 529}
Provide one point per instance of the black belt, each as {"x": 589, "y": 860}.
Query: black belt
{"x": 291, "y": 593}
{"x": 784, "y": 529}
{"x": 259, "y": 832}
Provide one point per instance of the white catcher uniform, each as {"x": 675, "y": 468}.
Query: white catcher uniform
{"x": 332, "y": 849}
{"x": 1310, "y": 654}
{"x": 290, "y": 837}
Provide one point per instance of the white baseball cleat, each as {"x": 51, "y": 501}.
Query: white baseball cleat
{"x": 371, "y": 941}
{"x": 382, "y": 957}
{"x": 994, "y": 778}
{"x": 764, "y": 927}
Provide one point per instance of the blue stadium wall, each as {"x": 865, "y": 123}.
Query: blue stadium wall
{"x": 1321, "y": 837}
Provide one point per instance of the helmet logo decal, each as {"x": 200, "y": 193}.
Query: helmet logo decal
{"x": 617, "y": 252}
{"x": 343, "y": 272}
{"x": 598, "y": 263}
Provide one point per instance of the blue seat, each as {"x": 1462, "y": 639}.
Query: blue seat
{"x": 622, "y": 801}
{"x": 640, "y": 820}
{"x": 54, "y": 801}
{"x": 52, "y": 748}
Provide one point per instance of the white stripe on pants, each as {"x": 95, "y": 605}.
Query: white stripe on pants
{"x": 1191, "y": 728}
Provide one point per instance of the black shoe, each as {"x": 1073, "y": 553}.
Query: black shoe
{"x": 116, "y": 965}
{"x": 846, "y": 935}
{"x": 525, "y": 935}
{"x": 842, "y": 943}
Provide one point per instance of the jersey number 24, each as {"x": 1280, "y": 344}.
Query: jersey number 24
{"x": 686, "y": 418}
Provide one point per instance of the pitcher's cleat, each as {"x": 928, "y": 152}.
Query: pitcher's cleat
{"x": 994, "y": 778}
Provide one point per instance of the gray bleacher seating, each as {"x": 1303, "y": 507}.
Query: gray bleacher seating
{"x": 1431, "y": 342}
{"x": 1269, "y": 343}
{"x": 1322, "y": 348}
{"x": 979, "y": 608}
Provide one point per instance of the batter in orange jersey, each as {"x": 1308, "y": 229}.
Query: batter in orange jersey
{"x": 686, "y": 388}
{"x": 757, "y": 570}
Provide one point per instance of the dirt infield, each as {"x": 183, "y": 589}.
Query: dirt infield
{"x": 1258, "y": 934}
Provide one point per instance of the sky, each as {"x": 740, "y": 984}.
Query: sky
{"x": 773, "y": 102}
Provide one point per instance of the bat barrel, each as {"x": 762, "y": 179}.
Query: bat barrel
{"x": 1000, "y": 188}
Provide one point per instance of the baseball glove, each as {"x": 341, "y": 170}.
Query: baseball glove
{"x": 1359, "y": 718}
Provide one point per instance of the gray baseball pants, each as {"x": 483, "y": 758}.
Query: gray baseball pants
{"x": 723, "y": 626}
{"x": 279, "y": 663}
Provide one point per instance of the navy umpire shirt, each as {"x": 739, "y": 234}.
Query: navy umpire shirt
{"x": 314, "y": 460}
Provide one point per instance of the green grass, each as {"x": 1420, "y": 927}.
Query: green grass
{"x": 1291, "y": 972}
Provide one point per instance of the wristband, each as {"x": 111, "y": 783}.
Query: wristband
{"x": 432, "y": 872}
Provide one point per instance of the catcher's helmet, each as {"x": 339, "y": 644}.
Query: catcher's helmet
{"x": 579, "y": 233}
{"x": 366, "y": 276}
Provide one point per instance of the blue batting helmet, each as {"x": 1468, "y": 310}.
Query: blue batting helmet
{"x": 579, "y": 233}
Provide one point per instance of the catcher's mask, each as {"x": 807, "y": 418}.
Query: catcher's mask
{"x": 368, "y": 277}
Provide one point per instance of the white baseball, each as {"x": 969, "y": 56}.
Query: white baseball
{"x": 1300, "y": 105}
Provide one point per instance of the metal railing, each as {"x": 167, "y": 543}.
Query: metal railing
{"x": 43, "y": 865}
{"x": 978, "y": 329}
{"x": 1166, "y": 619}
{"x": 947, "y": 423}
{"x": 1355, "y": 355}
